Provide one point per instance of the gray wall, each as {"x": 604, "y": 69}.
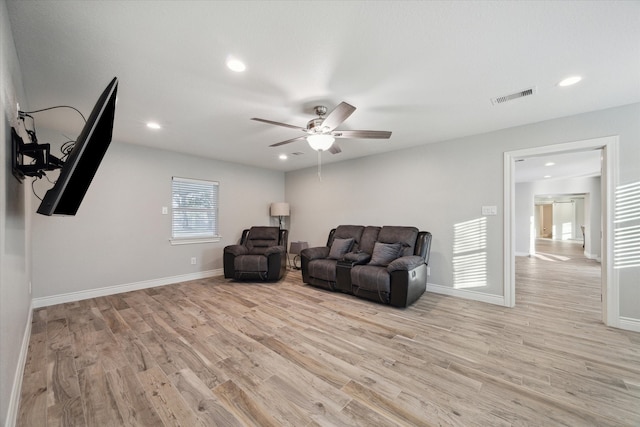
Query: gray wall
{"x": 437, "y": 186}
{"x": 119, "y": 235}
{"x": 524, "y": 204}
{"x": 15, "y": 229}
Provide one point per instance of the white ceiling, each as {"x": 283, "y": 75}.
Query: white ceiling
{"x": 578, "y": 164}
{"x": 424, "y": 70}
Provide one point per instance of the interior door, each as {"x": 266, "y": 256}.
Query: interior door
{"x": 547, "y": 221}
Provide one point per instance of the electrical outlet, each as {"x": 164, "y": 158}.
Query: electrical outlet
{"x": 193, "y": 260}
{"x": 165, "y": 210}
{"x": 428, "y": 271}
{"x": 29, "y": 287}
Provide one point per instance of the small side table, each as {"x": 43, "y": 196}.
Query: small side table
{"x": 294, "y": 249}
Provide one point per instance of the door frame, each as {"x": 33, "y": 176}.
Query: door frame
{"x": 609, "y": 183}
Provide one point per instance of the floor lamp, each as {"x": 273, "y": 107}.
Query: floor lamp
{"x": 279, "y": 209}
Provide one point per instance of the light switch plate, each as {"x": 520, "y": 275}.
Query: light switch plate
{"x": 165, "y": 210}
{"x": 489, "y": 210}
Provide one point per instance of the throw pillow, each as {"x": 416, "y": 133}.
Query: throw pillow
{"x": 384, "y": 253}
{"x": 339, "y": 247}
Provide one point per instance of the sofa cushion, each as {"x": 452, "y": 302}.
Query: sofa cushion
{"x": 384, "y": 253}
{"x": 323, "y": 269}
{"x": 372, "y": 278}
{"x": 396, "y": 234}
{"x": 339, "y": 247}
{"x": 250, "y": 263}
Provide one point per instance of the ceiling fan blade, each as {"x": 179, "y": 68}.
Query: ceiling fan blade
{"x": 271, "y": 122}
{"x": 277, "y": 144}
{"x": 337, "y": 116}
{"x": 362, "y": 134}
{"x": 335, "y": 149}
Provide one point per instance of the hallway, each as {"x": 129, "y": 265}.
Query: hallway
{"x": 560, "y": 279}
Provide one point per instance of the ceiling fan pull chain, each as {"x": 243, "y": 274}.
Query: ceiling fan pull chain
{"x": 319, "y": 165}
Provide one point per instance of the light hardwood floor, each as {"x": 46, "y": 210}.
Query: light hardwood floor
{"x": 220, "y": 353}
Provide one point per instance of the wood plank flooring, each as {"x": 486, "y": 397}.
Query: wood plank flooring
{"x": 220, "y": 353}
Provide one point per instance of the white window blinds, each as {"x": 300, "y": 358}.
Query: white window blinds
{"x": 194, "y": 209}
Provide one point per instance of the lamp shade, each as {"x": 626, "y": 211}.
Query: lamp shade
{"x": 320, "y": 142}
{"x": 279, "y": 209}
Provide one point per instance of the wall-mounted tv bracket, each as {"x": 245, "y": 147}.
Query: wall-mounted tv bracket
{"x": 32, "y": 158}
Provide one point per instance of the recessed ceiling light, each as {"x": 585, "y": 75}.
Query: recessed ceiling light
{"x": 153, "y": 125}
{"x": 283, "y": 157}
{"x": 236, "y": 65}
{"x": 549, "y": 164}
{"x": 547, "y": 176}
{"x": 570, "y": 81}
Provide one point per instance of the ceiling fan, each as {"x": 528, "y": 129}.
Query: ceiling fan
{"x": 321, "y": 132}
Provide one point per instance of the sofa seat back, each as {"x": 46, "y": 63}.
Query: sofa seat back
{"x": 403, "y": 235}
{"x": 369, "y": 239}
{"x": 346, "y": 232}
{"x": 259, "y": 239}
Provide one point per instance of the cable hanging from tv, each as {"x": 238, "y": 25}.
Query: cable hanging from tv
{"x": 23, "y": 114}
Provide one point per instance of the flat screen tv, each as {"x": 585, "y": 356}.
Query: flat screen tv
{"x": 82, "y": 163}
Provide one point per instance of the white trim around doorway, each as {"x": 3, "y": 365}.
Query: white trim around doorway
{"x": 610, "y": 285}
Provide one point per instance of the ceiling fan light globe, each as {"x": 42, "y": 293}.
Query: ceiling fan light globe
{"x": 320, "y": 142}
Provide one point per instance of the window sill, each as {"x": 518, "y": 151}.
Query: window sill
{"x": 195, "y": 241}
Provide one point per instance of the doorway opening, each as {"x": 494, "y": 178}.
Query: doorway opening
{"x": 601, "y": 239}
{"x": 543, "y": 220}
{"x": 565, "y": 217}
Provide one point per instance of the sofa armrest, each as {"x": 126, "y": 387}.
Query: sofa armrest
{"x": 315, "y": 253}
{"x": 276, "y": 262}
{"x": 357, "y": 257}
{"x": 229, "y": 255}
{"x": 405, "y": 263}
{"x": 309, "y": 254}
{"x": 275, "y": 250}
{"x": 236, "y": 250}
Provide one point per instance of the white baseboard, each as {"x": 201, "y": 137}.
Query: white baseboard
{"x": 111, "y": 290}
{"x": 629, "y": 324}
{"x": 592, "y": 256}
{"x": 16, "y": 389}
{"x": 466, "y": 294}
{"x": 522, "y": 254}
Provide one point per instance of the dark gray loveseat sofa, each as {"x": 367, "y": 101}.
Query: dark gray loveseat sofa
{"x": 385, "y": 264}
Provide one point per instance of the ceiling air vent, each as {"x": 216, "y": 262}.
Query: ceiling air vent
{"x": 511, "y": 97}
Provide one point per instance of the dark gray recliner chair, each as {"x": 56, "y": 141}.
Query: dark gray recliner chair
{"x": 261, "y": 254}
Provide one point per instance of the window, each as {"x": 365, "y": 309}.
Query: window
{"x": 194, "y": 211}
